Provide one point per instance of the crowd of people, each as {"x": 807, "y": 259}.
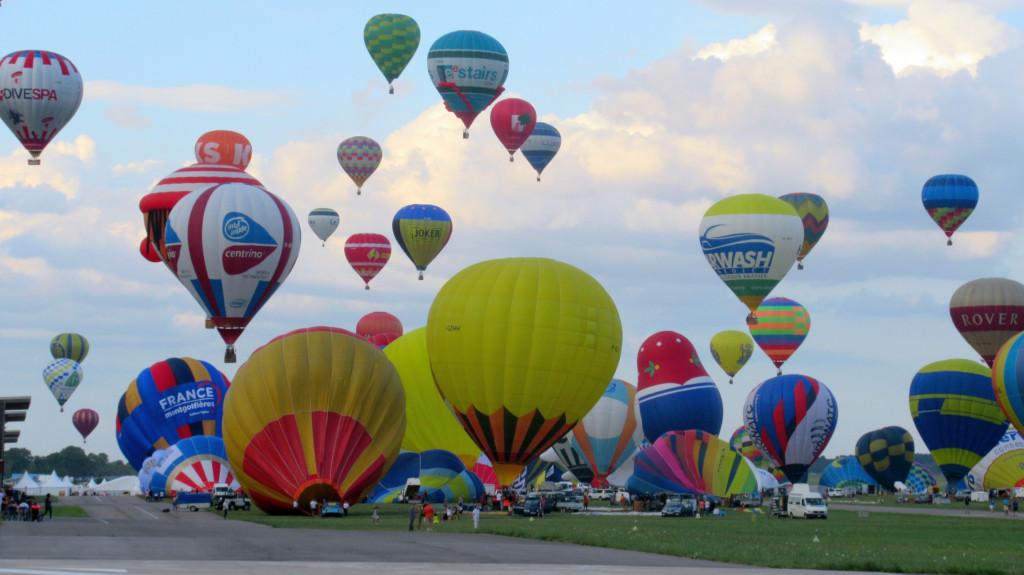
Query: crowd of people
{"x": 20, "y": 507}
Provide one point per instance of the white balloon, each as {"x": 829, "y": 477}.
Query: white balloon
{"x": 40, "y": 92}
{"x": 323, "y": 222}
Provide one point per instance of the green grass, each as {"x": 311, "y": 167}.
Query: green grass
{"x": 69, "y": 511}
{"x": 846, "y": 541}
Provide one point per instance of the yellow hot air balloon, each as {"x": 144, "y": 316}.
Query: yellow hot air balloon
{"x": 429, "y": 422}
{"x": 731, "y": 350}
{"x": 522, "y": 349}
{"x": 317, "y": 413}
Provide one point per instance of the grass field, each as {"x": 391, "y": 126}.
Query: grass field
{"x": 847, "y": 540}
{"x": 69, "y": 511}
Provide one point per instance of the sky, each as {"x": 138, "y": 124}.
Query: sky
{"x": 663, "y": 111}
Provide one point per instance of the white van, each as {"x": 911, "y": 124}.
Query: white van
{"x": 807, "y": 505}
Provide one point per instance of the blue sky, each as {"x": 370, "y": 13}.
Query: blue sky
{"x": 860, "y": 102}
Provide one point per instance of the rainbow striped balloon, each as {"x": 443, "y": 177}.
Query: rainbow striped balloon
{"x": 780, "y": 326}
{"x": 813, "y": 212}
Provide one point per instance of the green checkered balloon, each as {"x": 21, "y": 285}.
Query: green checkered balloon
{"x": 392, "y": 40}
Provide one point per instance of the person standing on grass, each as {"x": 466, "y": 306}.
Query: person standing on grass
{"x": 48, "y": 507}
{"x": 476, "y": 517}
{"x": 312, "y": 507}
{"x": 376, "y": 515}
{"x": 414, "y": 513}
{"x": 586, "y": 501}
{"x": 428, "y": 515}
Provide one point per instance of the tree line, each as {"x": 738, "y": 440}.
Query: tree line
{"x": 71, "y": 460}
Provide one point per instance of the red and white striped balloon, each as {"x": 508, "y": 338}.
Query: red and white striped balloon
{"x": 367, "y": 254}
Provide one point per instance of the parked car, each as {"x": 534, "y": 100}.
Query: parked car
{"x": 332, "y": 509}
{"x": 836, "y": 492}
{"x": 746, "y": 500}
{"x": 601, "y": 494}
{"x": 962, "y": 494}
{"x": 193, "y": 501}
{"x": 923, "y": 498}
{"x": 531, "y": 505}
{"x": 679, "y": 508}
{"x": 571, "y": 503}
{"x": 233, "y": 502}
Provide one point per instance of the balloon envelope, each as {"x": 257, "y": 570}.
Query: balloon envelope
{"x": 920, "y": 480}
{"x": 694, "y": 461}
{"x": 751, "y": 242}
{"x": 609, "y": 434}
{"x": 391, "y": 40}
{"x": 512, "y": 120}
{"x": 430, "y": 423}
{"x": 85, "y": 420}
{"x": 987, "y": 312}
{"x": 169, "y": 401}
{"x": 741, "y": 441}
{"x": 148, "y": 252}
{"x": 70, "y": 346}
{"x": 422, "y": 231}
{"x": 316, "y": 413}
{"x": 813, "y": 212}
{"x": 232, "y": 246}
{"x": 673, "y": 391}
{"x": 193, "y": 464}
{"x": 845, "y": 471}
{"x": 956, "y": 414}
{"x": 323, "y": 222}
{"x": 731, "y": 350}
{"x": 42, "y": 91}
{"x": 1002, "y": 467}
{"x": 359, "y": 156}
{"x": 62, "y": 377}
{"x": 791, "y": 419}
{"x": 468, "y": 68}
{"x": 378, "y": 322}
{"x": 224, "y": 148}
{"x": 1008, "y": 380}
{"x": 522, "y": 348}
{"x": 886, "y": 455}
{"x": 367, "y": 254}
{"x": 949, "y": 199}
{"x": 542, "y": 145}
{"x": 780, "y": 326}
{"x": 571, "y": 457}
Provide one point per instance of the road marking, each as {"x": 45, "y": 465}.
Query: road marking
{"x": 103, "y": 521}
{"x": 146, "y": 512}
{"x": 78, "y": 571}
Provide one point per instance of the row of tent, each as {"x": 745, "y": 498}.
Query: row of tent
{"x": 57, "y": 486}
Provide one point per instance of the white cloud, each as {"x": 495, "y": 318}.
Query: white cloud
{"x": 193, "y": 98}
{"x": 763, "y": 39}
{"x": 58, "y": 157}
{"x": 136, "y": 167}
{"x": 942, "y": 36}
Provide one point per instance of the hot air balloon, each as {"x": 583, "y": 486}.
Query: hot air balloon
{"x": 512, "y": 120}
{"x": 232, "y": 246}
{"x": 751, "y": 241}
{"x": 317, "y": 413}
{"x": 367, "y": 254}
{"x": 41, "y": 92}
{"x": 193, "y": 464}
{"x": 956, "y": 414}
{"x": 779, "y": 327}
{"x": 609, "y": 434}
{"x": 843, "y": 472}
{"x": 149, "y": 252}
{"x": 791, "y": 419}
{"x": 469, "y": 69}
{"x": 169, "y": 401}
{"x": 484, "y": 469}
{"x": 359, "y": 156}
{"x": 949, "y": 200}
{"x": 383, "y": 340}
{"x": 572, "y": 459}
{"x": 731, "y": 350}
{"x": 422, "y": 231}
{"x": 224, "y": 148}
{"x": 694, "y": 461}
{"x": 521, "y": 349}
{"x": 1008, "y": 380}
{"x": 443, "y": 478}
{"x": 541, "y": 146}
{"x": 376, "y": 323}
{"x": 429, "y": 423}
{"x": 987, "y": 312}
{"x": 673, "y": 390}
{"x": 85, "y": 420}
{"x": 741, "y": 441}
{"x": 391, "y": 40}
{"x": 69, "y": 346}
{"x": 148, "y": 468}
{"x": 62, "y": 377}
{"x": 1002, "y": 467}
{"x": 323, "y": 222}
{"x": 920, "y": 480}
{"x": 886, "y": 455}
{"x": 156, "y": 206}
{"x": 813, "y": 211}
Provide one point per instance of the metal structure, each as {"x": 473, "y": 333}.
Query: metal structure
{"x": 12, "y": 410}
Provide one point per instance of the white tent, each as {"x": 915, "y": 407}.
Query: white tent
{"x": 51, "y": 484}
{"x": 128, "y": 484}
{"x": 91, "y": 484}
{"x": 25, "y": 482}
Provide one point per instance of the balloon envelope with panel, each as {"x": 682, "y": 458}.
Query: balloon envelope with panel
{"x": 949, "y": 199}
{"x": 674, "y": 391}
{"x": 886, "y": 455}
{"x": 42, "y": 93}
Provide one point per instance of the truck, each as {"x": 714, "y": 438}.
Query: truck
{"x": 193, "y": 501}
{"x": 233, "y": 501}
{"x": 802, "y": 502}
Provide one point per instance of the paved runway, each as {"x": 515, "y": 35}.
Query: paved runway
{"x": 975, "y": 511}
{"x": 128, "y": 535}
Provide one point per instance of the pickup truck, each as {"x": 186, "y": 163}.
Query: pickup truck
{"x": 233, "y": 501}
{"x": 571, "y": 503}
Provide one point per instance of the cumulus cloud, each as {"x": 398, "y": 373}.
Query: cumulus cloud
{"x": 193, "y": 98}
{"x": 139, "y": 167}
{"x": 941, "y": 36}
{"x": 59, "y": 158}
{"x": 756, "y": 43}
